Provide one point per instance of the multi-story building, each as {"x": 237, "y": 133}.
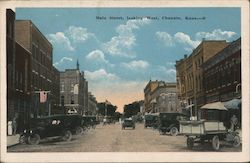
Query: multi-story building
{"x": 92, "y": 106}
{"x": 22, "y": 95}
{"x": 160, "y": 96}
{"x": 222, "y": 74}
{"x": 55, "y": 93}
{"x": 10, "y": 55}
{"x": 190, "y": 74}
{"x": 42, "y": 72}
{"x": 73, "y": 88}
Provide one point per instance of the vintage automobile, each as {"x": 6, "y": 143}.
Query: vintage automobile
{"x": 169, "y": 122}
{"x": 52, "y": 126}
{"x": 89, "y": 122}
{"x": 128, "y": 122}
{"x": 151, "y": 120}
{"x": 210, "y": 127}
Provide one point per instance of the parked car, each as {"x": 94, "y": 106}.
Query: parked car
{"x": 128, "y": 122}
{"x": 169, "y": 122}
{"x": 150, "y": 120}
{"x": 52, "y": 126}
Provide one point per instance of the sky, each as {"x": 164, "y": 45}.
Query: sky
{"x": 121, "y": 49}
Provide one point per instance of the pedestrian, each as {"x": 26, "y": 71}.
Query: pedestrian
{"x": 234, "y": 122}
{"x": 14, "y": 125}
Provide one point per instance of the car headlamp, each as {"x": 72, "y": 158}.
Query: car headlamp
{"x": 24, "y": 131}
{"x": 31, "y": 131}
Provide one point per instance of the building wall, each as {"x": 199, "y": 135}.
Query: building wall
{"x": 10, "y": 55}
{"x": 73, "y": 90}
{"x": 147, "y": 95}
{"x": 160, "y": 97}
{"x": 190, "y": 74}
{"x": 22, "y": 97}
{"x": 222, "y": 74}
{"x": 42, "y": 71}
{"x": 92, "y": 104}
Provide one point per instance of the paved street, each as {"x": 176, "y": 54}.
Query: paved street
{"x": 111, "y": 138}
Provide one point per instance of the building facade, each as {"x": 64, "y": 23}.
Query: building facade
{"x": 73, "y": 91}
{"x": 160, "y": 96}
{"x": 189, "y": 73}
{"x": 42, "y": 72}
{"x": 92, "y": 105}
{"x": 222, "y": 74}
{"x": 10, "y": 55}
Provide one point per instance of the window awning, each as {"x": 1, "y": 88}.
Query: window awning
{"x": 233, "y": 104}
{"x": 215, "y": 106}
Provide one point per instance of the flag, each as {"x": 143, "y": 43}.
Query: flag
{"x": 43, "y": 96}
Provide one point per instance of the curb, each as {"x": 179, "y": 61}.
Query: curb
{"x": 12, "y": 145}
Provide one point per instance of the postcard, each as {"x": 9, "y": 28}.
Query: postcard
{"x": 124, "y": 81}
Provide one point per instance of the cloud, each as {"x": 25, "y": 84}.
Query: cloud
{"x": 188, "y": 43}
{"x": 122, "y": 44}
{"x": 186, "y": 40}
{"x": 165, "y": 38}
{"x": 59, "y": 39}
{"x": 62, "y": 61}
{"x": 78, "y": 34}
{"x": 135, "y": 65}
{"x": 216, "y": 34}
{"x": 100, "y": 75}
{"x": 97, "y": 55}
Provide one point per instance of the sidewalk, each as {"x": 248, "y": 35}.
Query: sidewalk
{"x": 12, "y": 140}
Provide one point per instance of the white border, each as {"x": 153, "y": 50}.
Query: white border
{"x": 131, "y": 156}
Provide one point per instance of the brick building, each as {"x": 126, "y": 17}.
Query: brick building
{"x": 74, "y": 91}
{"x": 160, "y": 96}
{"x": 92, "y": 105}
{"x": 10, "y": 55}
{"x": 189, "y": 73}
{"x": 222, "y": 74}
{"x": 43, "y": 76}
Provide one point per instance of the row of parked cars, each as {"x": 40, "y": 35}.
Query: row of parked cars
{"x": 63, "y": 126}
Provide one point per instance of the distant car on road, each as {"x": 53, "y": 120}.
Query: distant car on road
{"x": 128, "y": 122}
{"x": 52, "y": 126}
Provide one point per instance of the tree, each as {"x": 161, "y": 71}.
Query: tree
{"x": 110, "y": 109}
{"x": 131, "y": 109}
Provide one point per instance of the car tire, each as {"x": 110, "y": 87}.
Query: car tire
{"x": 34, "y": 139}
{"x": 67, "y": 135}
{"x": 216, "y": 143}
{"x": 173, "y": 131}
{"x": 190, "y": 143}
{"x": 79, "y": 130}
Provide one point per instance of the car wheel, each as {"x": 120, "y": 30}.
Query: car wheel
{"x": 173, "y": 131}
{"x": 67, "y": 135}
{"x": 22, "y": 139}
{"x": 79, "y": 130}
{"x": 216, "y": 143}
{"x": 236, "y": 141}
{"x": 190, "y": 142}
{"x": 34, "y": 139}
{"x": 134, "y": 127}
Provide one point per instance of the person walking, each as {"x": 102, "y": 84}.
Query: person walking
{"x": 234, "y": 122}
{"x": 14, "y": 125}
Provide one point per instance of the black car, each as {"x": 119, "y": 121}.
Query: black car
{"x": 150, "y": 120}
{"x": 52, "y": 126}
{"x": 89, "y": 121}
{"x": 128, "y": 122}
{"x": 169, "y": 122}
